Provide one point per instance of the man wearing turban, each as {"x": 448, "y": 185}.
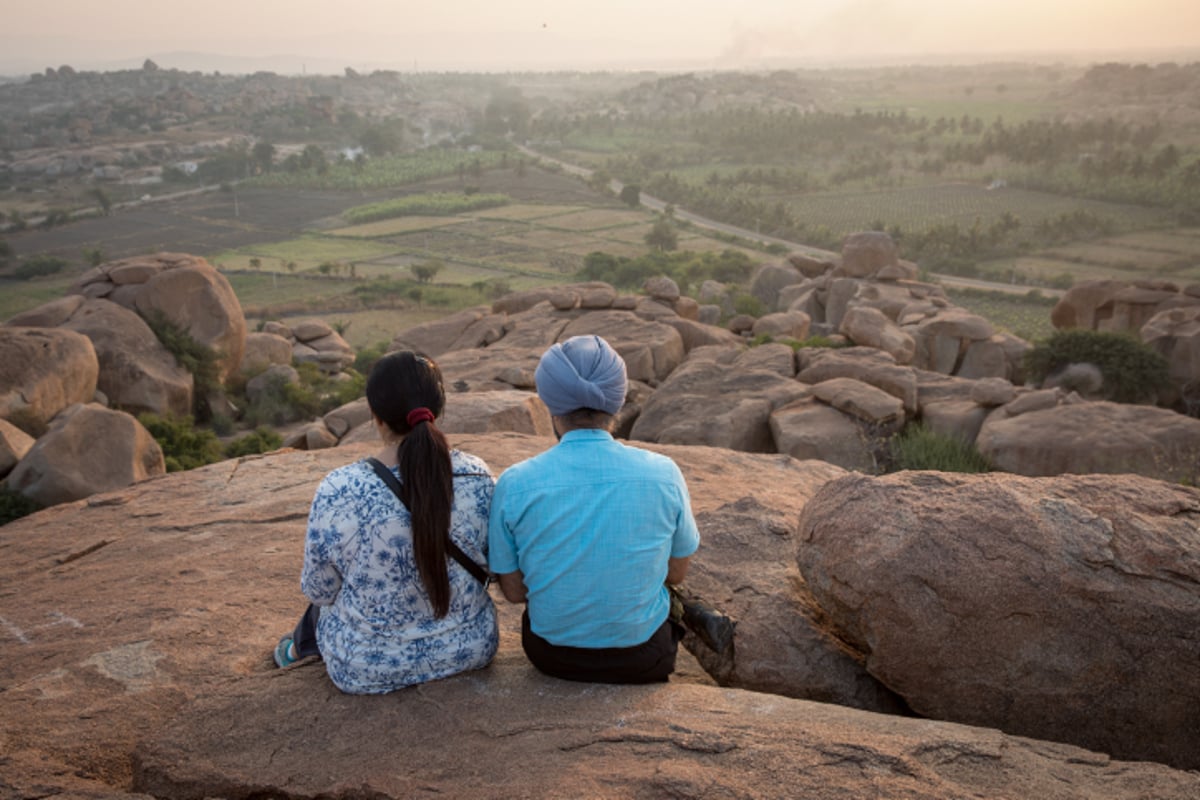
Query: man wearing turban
{"x": 589, "y": 532}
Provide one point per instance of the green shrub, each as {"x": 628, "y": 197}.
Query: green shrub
{"x": 14, "y": 505}
{"x": 365, "y": 359}
{"x": 1132, "y": 371}
{"x": 814, "y": 341}
{"x": 38, "y": 266}
{"x": 262, "y": 440}
{"x": 282, "y": 402}
{"x": 917, "y": 447}
{"x": 748, "y": 304}
{"x": 184, "y": 446}
{"x": 429, "y": 204}
{"x": 196, "y": 358}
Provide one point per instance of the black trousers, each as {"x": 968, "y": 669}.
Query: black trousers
{"x": 304, "y": 638}
{"x": 649, "y": 662}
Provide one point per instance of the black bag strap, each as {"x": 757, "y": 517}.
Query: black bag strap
{"x": 454, "y": 551}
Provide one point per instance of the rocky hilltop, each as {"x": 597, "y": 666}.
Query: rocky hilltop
{"x": 137, "y": 626}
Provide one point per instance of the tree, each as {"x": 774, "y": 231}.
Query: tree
{"x": 631, "y": 195}
{"x": 424, "y": 273}
{"x": 662, "y": 236}
{"x": 263, "y": 156}
{"x": 102, "y": 199}
{"x": 94, "y": 256}
{"x": 6, "y": 251}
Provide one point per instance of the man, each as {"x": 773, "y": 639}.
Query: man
{"x": 589, "y": 533}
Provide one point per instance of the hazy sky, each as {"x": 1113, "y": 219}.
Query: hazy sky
{"x": 516, "y": 34}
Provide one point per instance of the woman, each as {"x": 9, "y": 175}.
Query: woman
{"x": 390, "y": 606}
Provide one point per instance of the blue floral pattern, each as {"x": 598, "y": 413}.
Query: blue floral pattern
{"x": 377, "y": 631}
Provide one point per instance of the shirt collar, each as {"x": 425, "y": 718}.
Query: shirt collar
{"x": 586, "y": 435}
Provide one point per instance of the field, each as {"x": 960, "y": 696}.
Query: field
{"x": 918, "y": 208}
{"x": 1173, "y": 255}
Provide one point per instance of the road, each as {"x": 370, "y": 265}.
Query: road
{"x": 656, "y": 204}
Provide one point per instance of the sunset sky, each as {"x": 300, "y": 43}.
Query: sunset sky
{"x": 523, "y": 34}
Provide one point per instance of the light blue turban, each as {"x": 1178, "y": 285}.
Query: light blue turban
{"x": 582, "y": 372}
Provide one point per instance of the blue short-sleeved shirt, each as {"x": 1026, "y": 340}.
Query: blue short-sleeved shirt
{"x": 591, "y": 524}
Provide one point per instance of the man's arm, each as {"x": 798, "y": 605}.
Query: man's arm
{"x": 676, "y": 570}
{"x": 512, "y": 586}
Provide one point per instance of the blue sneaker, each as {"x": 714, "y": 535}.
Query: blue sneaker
{"x": 283, "y": 653}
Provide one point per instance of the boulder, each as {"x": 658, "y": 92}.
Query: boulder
{"x": 1086, "y": 305}
{"x": 809, "y": 429}
{"x": 1062, "y": 608}
{"x": 136, "y": 372}
{"x": 330, "y": 352}
{"x": 88, "y": 449}
{"x": 687, "y": 309}
{"x": 809, "y": 266}
{"x": 708, "y": 315}
{"x": 769, "y": 279}
{"x": 699, "y": 334}
{"x": 714, "y": 399}
{"x": 342, "y": 419}
{"x": 993, "y": 392}
{"x": 652, "y": 350}
{"x": 264, "y": 350}
{"x": 537, "y": 328}
{"x": 662, "y": 288}
{"x": 271, "y": 380}
{"x": 589, "y": 294}
{"x": 867, "y": 252}
{"x": 436, "y": 337}
{"x": 14, "y": 444}
{"x": 48, "y": 315}
{"x": 1091, "y": 437}
{"x": 44, "y": 370}
{"x": 959, "y": 419}
{"x": 1176, "y": 335}
{"x": 491, "y": 412}
{"x": 193, "y": 295}
{"x": 943, "y": 340}
{"x": 870, "y": 327}
{"x": 490, "y": 369}
{"x": 742, "y": 323}
{"x": 313, "y": 436}
{"x": 306, "y": 330}
{"x": 866, "y": 364}
{"x": 783, "y": 324}
{"x": 875, "y": 407}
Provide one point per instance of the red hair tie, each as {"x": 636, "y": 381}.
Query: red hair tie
{"x": 418, "y": 415}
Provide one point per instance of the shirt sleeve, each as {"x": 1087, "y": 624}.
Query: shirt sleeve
{"x": 320, "y": 580}
{"x": 686, "y": 539}
{"x": 502, "y": 548}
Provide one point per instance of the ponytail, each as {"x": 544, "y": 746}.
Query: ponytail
{"x": 405, "y": 391}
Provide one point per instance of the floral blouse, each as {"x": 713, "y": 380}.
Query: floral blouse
{"x": 377, "y": 631}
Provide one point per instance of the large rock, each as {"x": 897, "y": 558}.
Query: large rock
{"x": 865, "y": 364}
{"x": 809, "y": 429}
{"x": 495, "y": 411}
{"x": 136, "y": 372}
{"x": 264, "y": 350}
{"x": 769, "y": 280}
{"x": 192, "y": 294}
{"x": 1094, "y": 437}
{"x": 148, "y": 616}
{"x": 870, "y": 327}
{"x": 490, "y": 369}
{"x": 44, "y": 370}
{"x": 1087, "y": 305}
{"x": 1063, "y": 608}
{"x": 652, "y": 350}
{"x": 784, "y": 324}
{"x": 14, "y": 444}
{"x": 438, "y": 336}
{"x": 1176, "y": 335}
{"x": 715, "y": 399}
{"x": 185, "y": 289}
{"x": 88, "y": 449}
{"x": 866, "y": 253}
{"x": 944, "y": 339}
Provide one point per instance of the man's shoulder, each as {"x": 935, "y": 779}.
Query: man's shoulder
{"x": 648, "y": 459}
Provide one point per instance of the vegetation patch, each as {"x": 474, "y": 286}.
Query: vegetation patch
{"x": 1132, "y": 371}
{"x": 919, "y": 448}
{"x": 14, "y": 505}
{"x": 393, "y": 227}
{"x": 435, "y": 204}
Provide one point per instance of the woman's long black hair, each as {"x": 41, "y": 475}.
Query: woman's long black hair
{"x": 400, "y": 383}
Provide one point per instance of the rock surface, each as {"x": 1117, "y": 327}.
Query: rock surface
{"x": 1063, "y": 608}
{"x": 135, "y": 604}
